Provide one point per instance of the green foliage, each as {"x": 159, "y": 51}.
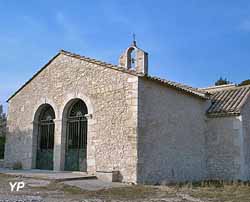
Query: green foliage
{"x": 221, "y": 81}
{"x": 245, "y": 82}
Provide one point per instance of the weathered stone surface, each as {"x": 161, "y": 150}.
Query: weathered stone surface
{"x": 223, "y": 148}
{"x": 110, "y": 97}
{"x": 147, "y": 129}
{"x": 171, "y": 139}
{"x": 245, "y": 141}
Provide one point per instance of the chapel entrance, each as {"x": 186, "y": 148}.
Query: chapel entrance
{"x": 45, "y": 138}
{"x": 76, "y": 137}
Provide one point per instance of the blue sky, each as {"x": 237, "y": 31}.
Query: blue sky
{"x": 190, "y": 41}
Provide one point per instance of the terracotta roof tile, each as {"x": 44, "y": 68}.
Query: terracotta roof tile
{"x": 228, "y": 102}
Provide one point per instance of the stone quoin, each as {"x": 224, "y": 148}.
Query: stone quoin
{"x": 78, "y": 113}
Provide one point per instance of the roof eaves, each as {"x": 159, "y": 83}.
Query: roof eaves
{"x": 222, "y": 114}
{"x": 174, "y": 85}
{"x": 94, "y": 61}
{"x": 188, "y": 90}
{"x": 98, "y": 62}
{"x": 38, "y": 72}
{"x": 228, "y": 102}
{"x": 243, "y": 102}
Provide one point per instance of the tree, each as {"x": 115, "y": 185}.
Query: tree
{"x": 221, "y": 81}
{"x": 3, "y": 122}
{"x": 245, "y": 82}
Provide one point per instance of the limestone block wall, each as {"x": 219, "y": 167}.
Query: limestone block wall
{"x": 171, "y": 138}
{"x": 111, "y": 98}
{"x": 225, "y": 148}
{"x": 245, "y": 113}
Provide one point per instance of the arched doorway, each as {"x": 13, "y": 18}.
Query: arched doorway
{"x": 45, "y": 138}
{"x": 76, "y": 136}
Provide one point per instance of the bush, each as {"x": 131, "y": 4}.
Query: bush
{"x": 245, "y": 82}
{"x": 221, "y": 81}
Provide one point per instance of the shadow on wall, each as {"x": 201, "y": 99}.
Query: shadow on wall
{"x": 2, "y": 144}
{"x": 18, "y": 149}
{"x": 117, "y": 176}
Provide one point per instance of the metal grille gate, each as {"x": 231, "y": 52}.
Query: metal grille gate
{"x": 76, "y": 139}
{"x": 45, "y": 140}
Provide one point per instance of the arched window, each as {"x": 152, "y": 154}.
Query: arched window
{"x": 78, "y": 110}
{"x": 47, "y": 114}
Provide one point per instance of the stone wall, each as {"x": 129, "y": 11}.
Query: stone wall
{"x": 171, "y": 139}
{"x": 224, "y": 148}
{"x": 111, "y": 98}
{"x": 246, "y": 137}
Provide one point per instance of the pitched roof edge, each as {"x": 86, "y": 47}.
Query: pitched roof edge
{"x": 91, "y": 60}
{"x": 236, "y": 110}
{"x": 38, "y": 72}
{"x": 99, "y": 62}
{"x": 213, "y": 89}
{"x": 117, "y": 68}
{"x": 133, "y": 72}
{"x": 221, "y": 115}
{"x": 184, "y": 90}
{"x": 244, "y": 101}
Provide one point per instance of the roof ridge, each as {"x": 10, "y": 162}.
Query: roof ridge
{"x": 100, "y": 62}
{"x": 182, "y": 87}
{"x": 85, "y": 57}
{"x": 236, "y": 88}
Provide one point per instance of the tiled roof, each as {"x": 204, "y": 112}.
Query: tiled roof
{"x": 178, "y": 86}
{"x": 213, "y": 89}
{"x": 228, "y": 102}
{"x": 98, "y": 62}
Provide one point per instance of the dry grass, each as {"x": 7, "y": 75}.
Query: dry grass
{"x": 235, "y": 192}
{"x": 226, "y": 193}
{"x": 212, "y": 191}
{"x": 130, "y": 192}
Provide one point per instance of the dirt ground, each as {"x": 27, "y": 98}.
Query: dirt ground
{"x": 36, "y": 190}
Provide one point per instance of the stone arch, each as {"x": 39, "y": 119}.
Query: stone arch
{"x": 41, "y": 102}
{"x": 44, "y": 116}
{"x": 67, "y": 103}
{"x": 74, "y": 129}
{"x": 131, "y": 55}
{"x": 70, "y": 97}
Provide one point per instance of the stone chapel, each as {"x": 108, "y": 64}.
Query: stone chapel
{"x": 81, "y": 114}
